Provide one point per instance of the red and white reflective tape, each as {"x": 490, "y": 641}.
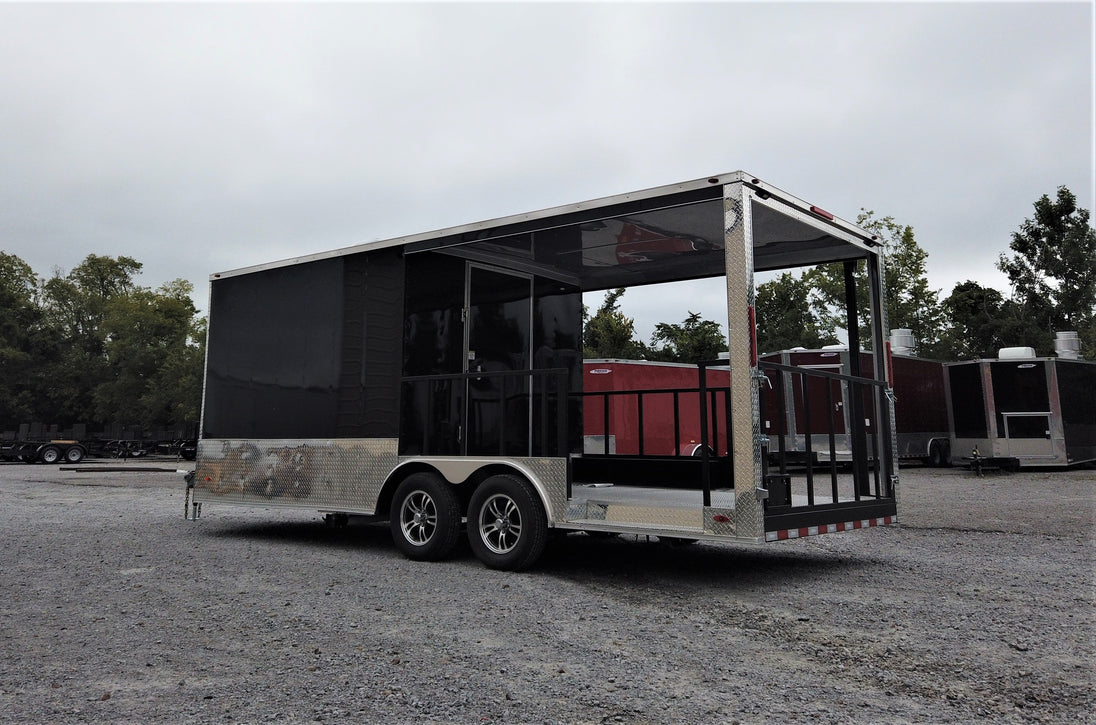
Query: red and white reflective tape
{"x": 783, "y": 534}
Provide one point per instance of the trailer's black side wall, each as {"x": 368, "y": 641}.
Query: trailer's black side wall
{"x": 968, "y": 403}
{"x": 1077, "y": 393}
{"x": 306, "y": 351}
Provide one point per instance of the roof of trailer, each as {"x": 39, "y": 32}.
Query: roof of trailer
{"x": 660, "y": 234}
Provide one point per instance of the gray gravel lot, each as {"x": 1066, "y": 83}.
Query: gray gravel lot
{"x": 978, "y": 607}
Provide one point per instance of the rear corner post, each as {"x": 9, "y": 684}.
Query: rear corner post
{"x": 745, "y": 407}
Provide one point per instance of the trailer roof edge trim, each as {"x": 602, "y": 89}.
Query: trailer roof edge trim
{"x": 683, "y": 193}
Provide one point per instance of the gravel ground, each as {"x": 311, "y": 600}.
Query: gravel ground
{"x": 978, "y": 607}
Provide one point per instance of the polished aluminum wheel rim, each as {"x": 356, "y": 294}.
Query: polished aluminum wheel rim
{"x": 418, "y": 518}
{"x": 500, "y": 524}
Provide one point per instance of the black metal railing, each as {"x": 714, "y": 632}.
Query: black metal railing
{"x": 508, "y": 412}
{"x": 643, "y": 456}
{"x": 826, "y": 412}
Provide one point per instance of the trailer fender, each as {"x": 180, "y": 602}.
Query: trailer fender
{"x": 466, "y": 474}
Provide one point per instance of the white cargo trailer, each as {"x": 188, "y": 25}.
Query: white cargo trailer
{"x": 436, "y": 380}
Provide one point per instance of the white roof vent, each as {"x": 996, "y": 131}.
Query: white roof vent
{"x": 1015, "y": 353}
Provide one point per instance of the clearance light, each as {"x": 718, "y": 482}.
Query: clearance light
{"x": 752, "y": 314}
{"x": 721, "y": 519}
{"x": 822, "y": 213}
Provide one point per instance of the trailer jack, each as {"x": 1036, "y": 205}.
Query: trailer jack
{"x": 197, "y": 511}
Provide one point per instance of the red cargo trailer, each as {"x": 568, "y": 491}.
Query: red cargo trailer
{"x": 652, "y": 407}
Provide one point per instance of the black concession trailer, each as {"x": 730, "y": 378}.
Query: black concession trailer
{"x": 436, "y": 380}
{"x": 1023, "y": 411}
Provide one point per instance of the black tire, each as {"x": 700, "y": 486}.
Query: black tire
{"x": 49, "y": 454}
{"x": 425, "y": 517}
{"x": 74, "y": 454}
{"x": 938, "y": 457}
{"x": 507, "y": 525}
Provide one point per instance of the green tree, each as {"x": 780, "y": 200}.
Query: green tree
{"x": 610, "y": 333}
{"x": 693, "y": 341}
{"x": 910, "y": 303}
{"x": 982, "y": 322}
{"x": 1053, "y": 271}
{"x": 784, "y": 317}
{"x": 74, "y": 307}
{"x": 146, "y": 343}
{"x": 20, "y": 325}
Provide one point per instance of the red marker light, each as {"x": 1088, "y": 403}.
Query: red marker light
{"x": 752, "y": 317}
{"x": 822, "y": 213}
{"x": 721, "y": 519}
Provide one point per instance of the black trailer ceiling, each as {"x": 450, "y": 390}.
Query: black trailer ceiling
{"x": 663, "y": 240}
{"x": 667, "y": 234}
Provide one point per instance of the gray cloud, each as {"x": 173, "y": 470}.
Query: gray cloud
{"x": 199, "y": 138}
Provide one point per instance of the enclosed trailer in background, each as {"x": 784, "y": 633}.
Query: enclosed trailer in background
{"x": 436, "y": 380}
{"x": 823, "y": 406}
{"x": 653, "y": 408}
{"x": 1023, "y": 411}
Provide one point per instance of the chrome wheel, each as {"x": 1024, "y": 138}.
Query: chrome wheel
{"x": 418, "y": 518}
{"x": 500, "y": 523}
{"x": 425, "y": 517}
{"x": 507, "y": 523}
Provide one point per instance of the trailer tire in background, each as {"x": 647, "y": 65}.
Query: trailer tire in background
{"x": 425, "y": 517}
{"x": 49, "y": 454}
{"x": 507, "y": 525}
{"x": 939, "y": 454}
{"x": 74, "y": 454}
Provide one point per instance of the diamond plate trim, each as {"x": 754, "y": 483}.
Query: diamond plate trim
{"x": 748, "y": 516}
{"x": 338, "y": 475}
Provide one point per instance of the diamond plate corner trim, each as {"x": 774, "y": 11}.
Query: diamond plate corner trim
{"x": 748, "y": 516}
{"x": 719, "y": 521}
{"x": 552, "y": 476}
{"x": 337, "y": 475}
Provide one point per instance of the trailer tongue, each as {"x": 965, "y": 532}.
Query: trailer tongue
{"x": 437, "y": 380}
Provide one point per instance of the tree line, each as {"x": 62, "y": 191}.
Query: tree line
{"x": 93, "y": 347}
{"x": 1051, "y": 267}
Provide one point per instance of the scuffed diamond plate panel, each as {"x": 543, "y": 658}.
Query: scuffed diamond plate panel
{"x": 337, "y": 475}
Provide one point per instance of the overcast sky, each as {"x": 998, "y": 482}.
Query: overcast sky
{"x": 199, "y": 138}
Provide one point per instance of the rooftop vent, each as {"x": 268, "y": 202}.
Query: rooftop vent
{"x": 1015, "y": 353}
{"x": 902, "y": 341}
{"x": 1067, "y": 345}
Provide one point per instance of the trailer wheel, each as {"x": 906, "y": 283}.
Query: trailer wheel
{"x": 425, "y": 517}
{"x": 937, "y": 455}
{"x": 74, "y": 454}
{"x": 507, "y": 526}
{"x": 49, "y": 454}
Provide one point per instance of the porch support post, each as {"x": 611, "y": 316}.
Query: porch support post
{"x": 745, "y": 433}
